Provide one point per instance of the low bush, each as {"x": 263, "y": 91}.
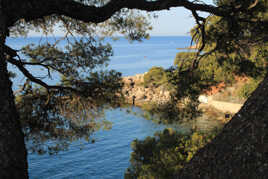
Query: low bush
{"x": 156, "y": 76}
{"x": 163, "y": 155}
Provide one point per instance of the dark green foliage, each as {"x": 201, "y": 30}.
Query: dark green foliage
{"x": 184, "y": 59}
{"x": 218, "y": 68}
{"x": 166, "y": 153}
{"x": 231, "y": 49}
{"x": 171, "y": 112}
{"x": 155, "y": 77}
{"x": 188, "y": 83}
{"x": 63, "y": 117}
{"x": 248, "y": 88}
{"x": 240, "y": 33}
{"x": 133, "y": 24}
{"x": 256, "y": 70}
{"x": 184, "y": 86}
{"x": 72, "y": 109}
{"x": 232, "y": 45}
{"x": 78, "y": 58}
{"x": 11, "y": 74}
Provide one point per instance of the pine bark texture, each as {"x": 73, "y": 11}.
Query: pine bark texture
{"x": 240, "y": 151}
{"x": 13, "y": 155}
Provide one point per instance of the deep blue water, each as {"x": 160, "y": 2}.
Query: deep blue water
{"x": 132, "y": 58}
{"x": 139, "y": 57}
{"x": 109, "y": 156}
{"x": 129, "y": 58}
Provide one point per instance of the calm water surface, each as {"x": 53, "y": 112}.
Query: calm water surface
{"x": 107, "y": 158}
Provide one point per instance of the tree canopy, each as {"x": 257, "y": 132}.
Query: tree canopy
{"x": 73, "y": 108}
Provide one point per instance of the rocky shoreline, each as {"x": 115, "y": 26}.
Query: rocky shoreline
{"x": 136, "y": 93}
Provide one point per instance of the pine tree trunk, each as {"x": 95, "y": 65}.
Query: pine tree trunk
{"x": 13, "y": 155}
{"x": 240, "y": 151}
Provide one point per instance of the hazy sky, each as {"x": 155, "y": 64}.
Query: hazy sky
{"x": 176, "y": 21}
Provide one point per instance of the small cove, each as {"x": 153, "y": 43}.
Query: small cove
{"x": 109, "y": 156}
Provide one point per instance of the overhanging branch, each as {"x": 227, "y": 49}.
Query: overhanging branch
{"x": 35, "y": 9}
{"x": 26, "y": 73}
{"x": 201, "y": 22}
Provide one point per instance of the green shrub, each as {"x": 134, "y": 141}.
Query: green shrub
{"x": 184, "y": 58}
{"x": 248, "y": 88}
{"x": 156, "y": 76}
{"x": 163, "y": 155}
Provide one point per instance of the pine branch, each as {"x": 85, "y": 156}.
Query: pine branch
{"x": 26, "y": 73}
{"x": 31, "y": 10}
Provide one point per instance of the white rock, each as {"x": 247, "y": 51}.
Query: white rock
{"x": 203, "y": 99}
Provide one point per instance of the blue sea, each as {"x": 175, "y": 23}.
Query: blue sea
{"x": 129, "y": 58}
{"x": 109, "y": 156}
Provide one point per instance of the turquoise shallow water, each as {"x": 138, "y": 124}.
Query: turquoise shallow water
{"x": 109, "y": 156}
